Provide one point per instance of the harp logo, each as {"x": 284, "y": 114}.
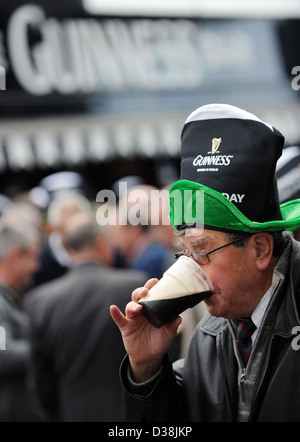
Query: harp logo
{"x": 215, "y": 145}
{"x": 212, "y": 162}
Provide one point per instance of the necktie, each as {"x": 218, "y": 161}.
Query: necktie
{"x": 245, "y": 329}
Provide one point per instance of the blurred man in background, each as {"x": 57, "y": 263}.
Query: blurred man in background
{"x": 140, "y": 233}
{"x": 77, "y": 349}
{"x": 18, "y": 261}
{"x": 54, "y": 258}
{"x": 17, "y": 212}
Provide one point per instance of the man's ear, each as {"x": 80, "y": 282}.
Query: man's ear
{"x": 263, "y": 245}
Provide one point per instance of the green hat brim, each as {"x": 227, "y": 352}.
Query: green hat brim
{"x": 193, "y": 203}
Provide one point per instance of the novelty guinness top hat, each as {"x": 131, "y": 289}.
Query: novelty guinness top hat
{"x": 228, "y": 167}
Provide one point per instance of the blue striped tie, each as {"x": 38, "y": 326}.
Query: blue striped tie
{"x": 245, "y": 329}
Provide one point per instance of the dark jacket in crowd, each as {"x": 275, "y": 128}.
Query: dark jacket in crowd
{"x": 207, "y": 386}
{"x": 50, "y": 268}
{"x": 77, "y": 348}
{"x": 18, "y": 402}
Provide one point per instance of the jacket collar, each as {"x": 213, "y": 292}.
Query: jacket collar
{"x": 288, "y": 314}
{"x": 212, "y": 325}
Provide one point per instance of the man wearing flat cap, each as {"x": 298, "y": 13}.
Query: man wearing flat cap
{"x": 243, "y": 361}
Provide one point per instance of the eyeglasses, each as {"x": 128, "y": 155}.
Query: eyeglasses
{"x": 200, "y": 256}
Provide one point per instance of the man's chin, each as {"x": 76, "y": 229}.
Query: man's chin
{"x": 214, "y": 306}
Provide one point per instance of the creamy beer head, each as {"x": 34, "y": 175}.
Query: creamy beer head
{"x": 182, "y": 286}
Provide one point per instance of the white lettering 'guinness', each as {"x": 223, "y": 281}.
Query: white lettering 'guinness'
{"x": 212, "y": 160}
{"x": 86, "y": 55}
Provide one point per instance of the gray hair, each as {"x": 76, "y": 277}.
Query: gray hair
{"x": 16, "y": 236}
{"x": 82, "y": 236}
{"x": 18, "y": 212}
{"x": 63, "y": 203}
{"x": 280, "y": 240}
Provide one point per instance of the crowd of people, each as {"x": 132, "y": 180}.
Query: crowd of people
{"x": 60, "y": 271}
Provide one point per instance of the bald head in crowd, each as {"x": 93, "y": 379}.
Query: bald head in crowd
{"x": 86, "y": 241}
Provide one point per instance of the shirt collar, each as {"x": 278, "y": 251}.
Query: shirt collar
{"x": 278, "y": 275}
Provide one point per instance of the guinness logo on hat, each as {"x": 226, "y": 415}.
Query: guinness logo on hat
{"x": 242, "y": 195}
{"x": 215, "y": 145}
{"x": 249, "y": 158}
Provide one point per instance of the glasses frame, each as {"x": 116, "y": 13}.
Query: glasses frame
{"x": 205, "y": 254}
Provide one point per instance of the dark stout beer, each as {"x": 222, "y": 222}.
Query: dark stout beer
{"x": 182, "y": 286}
{"x": 162, "y": 311}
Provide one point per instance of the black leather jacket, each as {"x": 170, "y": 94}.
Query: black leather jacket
{"x": 204, "y": 386}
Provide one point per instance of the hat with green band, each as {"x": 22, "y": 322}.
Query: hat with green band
{"x": 228, "y": 177}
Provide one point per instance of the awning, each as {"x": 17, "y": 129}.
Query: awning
{"x": 46, "y": 143}
{"x": 51, "y": 143}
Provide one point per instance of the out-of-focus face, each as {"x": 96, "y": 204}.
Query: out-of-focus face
{"x": 25, "y": 264}
{"x": 238, "y": 283}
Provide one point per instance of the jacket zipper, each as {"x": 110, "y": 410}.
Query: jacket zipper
{"x": 242, "y": 385}
{"x": 226, "y": 390}
{"x": 271, "y": 351}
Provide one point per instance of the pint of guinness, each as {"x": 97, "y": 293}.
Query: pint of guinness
{"x": 182, "y": 286}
